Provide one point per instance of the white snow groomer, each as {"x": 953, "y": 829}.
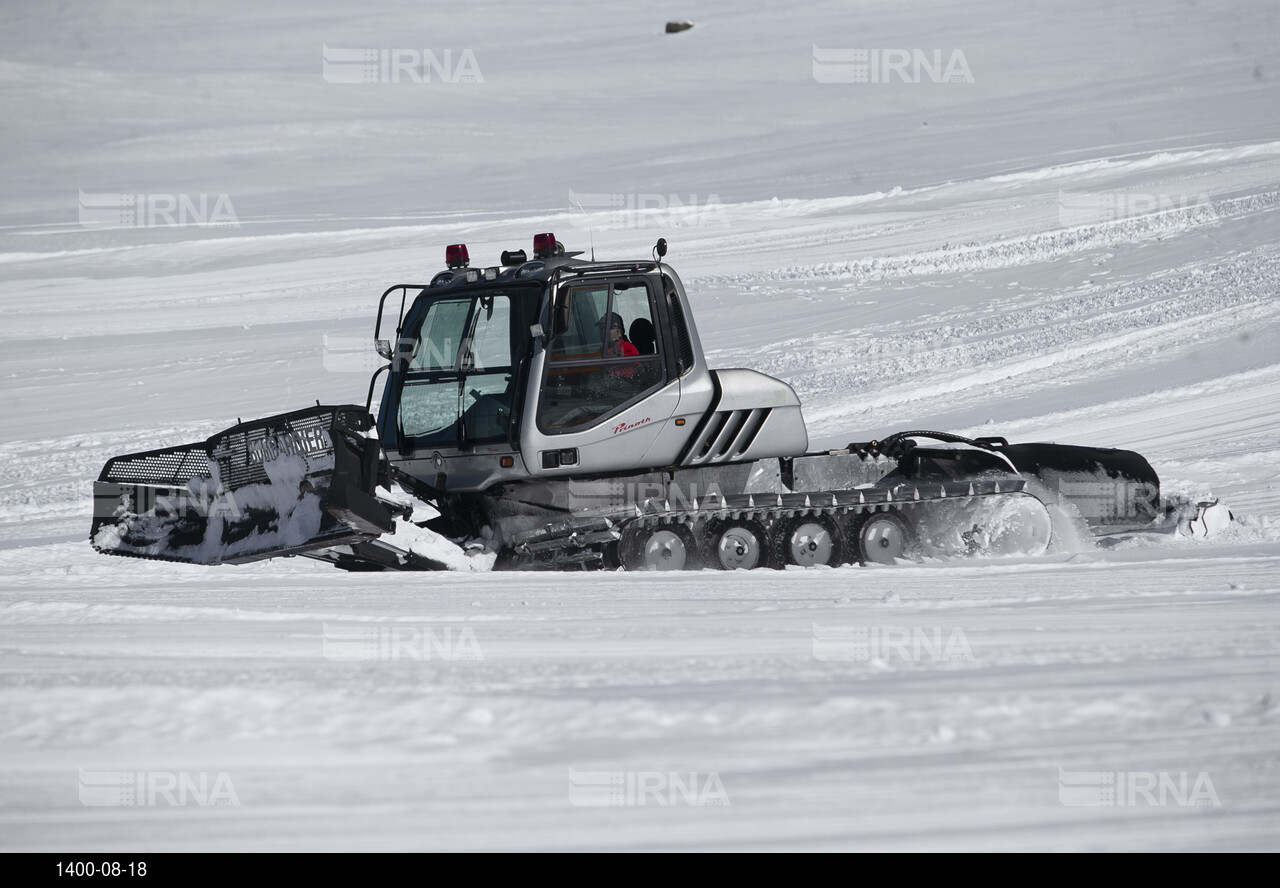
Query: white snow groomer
{"x": 558, "y": 412}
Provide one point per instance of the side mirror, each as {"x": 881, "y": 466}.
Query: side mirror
{"x": 383, "y": 347}
{"x": 660, "y": 248}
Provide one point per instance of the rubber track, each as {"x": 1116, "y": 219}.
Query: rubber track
{"x": 567, "y": 543}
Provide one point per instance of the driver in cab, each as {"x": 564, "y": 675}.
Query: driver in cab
{"x": 617, "y": 345}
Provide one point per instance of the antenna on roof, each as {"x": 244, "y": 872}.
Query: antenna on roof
{"x": 590, "y": 238}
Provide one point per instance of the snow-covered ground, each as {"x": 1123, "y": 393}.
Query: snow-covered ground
{"x": 1075, "y": 240}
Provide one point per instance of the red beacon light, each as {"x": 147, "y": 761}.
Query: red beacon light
{"x": 455, "y": 256}
{"x": 545, "y": 246}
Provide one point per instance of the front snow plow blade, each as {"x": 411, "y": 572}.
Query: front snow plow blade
{"x": 285, "y": 485}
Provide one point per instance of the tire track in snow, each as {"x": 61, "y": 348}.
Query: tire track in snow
{"x": 1080, "y": 332}
{"x": 1011, "y": 252}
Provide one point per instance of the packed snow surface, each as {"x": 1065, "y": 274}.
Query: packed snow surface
{"x": 1079, "y": 242}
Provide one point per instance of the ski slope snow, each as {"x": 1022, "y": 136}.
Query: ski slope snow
{"x": 1078, "y": 242}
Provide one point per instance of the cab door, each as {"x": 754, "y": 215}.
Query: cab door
{"x": 601, "y": 399}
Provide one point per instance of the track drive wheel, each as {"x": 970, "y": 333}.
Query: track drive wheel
{"x": 737, "y": 544}
{"x": 809, "y": 541}
{"x": 882, "y": 537}
{"x": 658, "y": 547}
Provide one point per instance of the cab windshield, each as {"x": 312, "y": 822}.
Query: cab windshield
{"x": 458, "y": 384}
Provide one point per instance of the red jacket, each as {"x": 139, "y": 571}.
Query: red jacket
{"x": 621, "y": 349}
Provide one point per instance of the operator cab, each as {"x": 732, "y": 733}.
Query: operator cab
{"x": 515, "y": 371}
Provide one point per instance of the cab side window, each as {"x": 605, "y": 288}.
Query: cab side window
{"x": 631, "y": 302}
{"x": 602, "y": 355}
{"x": 577, "y": 334}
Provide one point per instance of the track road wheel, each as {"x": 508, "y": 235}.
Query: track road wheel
{"x": 809, "y": 541}
{"x": 658, "y": 547}
{"x": 737, "y": 544}
{"x": 883, "y": 538}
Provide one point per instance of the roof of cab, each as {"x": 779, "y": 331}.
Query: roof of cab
{"x": 536, "y": 270}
